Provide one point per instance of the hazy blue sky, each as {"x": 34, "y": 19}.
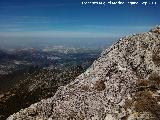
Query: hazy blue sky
{"x": 69, "y": 18}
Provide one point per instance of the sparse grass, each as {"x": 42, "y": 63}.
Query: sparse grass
{"x": 128, "y": 104}
{"x": 142, "y": 83}
{"x": 154, "y": 77}
{"x": 85, "y": 88}
{"x": 143, "y": 100}
{"x": 99, "y": 85}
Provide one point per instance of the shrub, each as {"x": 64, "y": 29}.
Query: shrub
{"x": 85, "y": 88}
{"x": 128, "y": 104}
{"x": 143, "y": 99}
{"x": 142, "y": 83}
{"x": 155, "y": 80}
{"x": 99, "y": 85}
{"x": 144, "y": 102}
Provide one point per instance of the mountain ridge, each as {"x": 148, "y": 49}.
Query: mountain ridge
{"x": 114, "y": 87}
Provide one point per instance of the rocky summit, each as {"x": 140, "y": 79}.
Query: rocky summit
{"x": 122, "y": 84}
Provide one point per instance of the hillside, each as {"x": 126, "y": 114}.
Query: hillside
{"x": 122, "y": 84}
{"x": 35, "y": 87}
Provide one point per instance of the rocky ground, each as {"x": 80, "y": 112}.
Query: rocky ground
{"x": 122, "y": 84}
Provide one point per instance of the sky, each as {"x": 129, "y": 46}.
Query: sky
{"x": 72, "y": 19}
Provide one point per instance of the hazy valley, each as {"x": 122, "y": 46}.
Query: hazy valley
{"x": 28, "y": 75}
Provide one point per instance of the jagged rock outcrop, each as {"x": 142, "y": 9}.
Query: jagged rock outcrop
{"x": 123, "y": 84}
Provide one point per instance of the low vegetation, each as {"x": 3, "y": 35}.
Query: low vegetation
{"x": 146, "y": 98}
{"x": 99, "y": 85}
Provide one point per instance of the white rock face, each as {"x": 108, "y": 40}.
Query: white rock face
{"x": 100, "y": 92}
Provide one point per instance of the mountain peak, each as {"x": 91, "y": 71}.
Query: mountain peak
{"x": 123, "y": 83}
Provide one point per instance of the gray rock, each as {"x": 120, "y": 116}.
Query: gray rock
{"x": 101, "y": 92}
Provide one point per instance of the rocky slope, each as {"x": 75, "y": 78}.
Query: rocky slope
{"x": 124, "y": 83}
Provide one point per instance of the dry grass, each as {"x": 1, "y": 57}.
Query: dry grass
{"x": 143, "y": 100}
{"x": 154, "y": 77}
{"x": 128, "y": 104}
{"x": 99, "y": 85}
{"x": 85, "y": 88}
{"x": 142, "y": 83}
